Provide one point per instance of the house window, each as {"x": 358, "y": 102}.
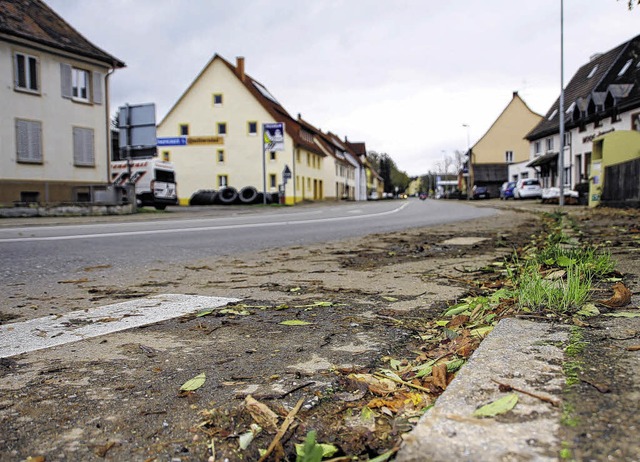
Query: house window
{"x": 549, "y": 144}
{"x": 567, "y": 139}
{"x": 593, "y": 71}
{"x": 298, "y": 156}
{"x": 272, "y": 155}
{"x": 222, "y": 128}
{"x": 508, "y": 157}
{"x": 625, "y": 67}
{"x": 217, "y": 99}
{"x": 223, "y": 180}
{"x": 184, "y": 129}
{"x": 166, "y": 156}
{"x": 272, "y": 180}
{"x": 536, "y": 147}
{"x": 26, "y": 72}
{"x": 83, "y": 147}
{"x": 252, "y": 128}
{"x": 80, "y": 84}
{"x": 220, "y": 155}
{"x": 29, "y": 141}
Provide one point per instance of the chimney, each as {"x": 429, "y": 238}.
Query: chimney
{"x": 515, "y": 93}
{"x": 240, "y": 67}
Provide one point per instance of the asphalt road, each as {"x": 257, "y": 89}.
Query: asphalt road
{"x": 36, "y": 253}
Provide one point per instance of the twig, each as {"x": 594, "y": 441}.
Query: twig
{"x": 283, "y": 429}
{"x": 506, "y": 387}
{"x": 408, "y": 384}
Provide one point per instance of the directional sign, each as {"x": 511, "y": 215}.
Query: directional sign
{"x": 172, "y": 141}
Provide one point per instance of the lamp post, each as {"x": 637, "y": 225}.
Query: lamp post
{"x": 561, "y": 109}
{"x": 470, "y": 166}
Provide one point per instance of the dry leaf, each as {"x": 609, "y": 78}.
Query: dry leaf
{"x": 440, "y": 375}
{"x": 633, "y": 348}
{"x": 377, "y": 385}
{"x": 621, "y": 296}
{"x": 262, "y": 414}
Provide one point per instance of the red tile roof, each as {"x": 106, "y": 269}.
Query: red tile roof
{"x": 34, "y": 21}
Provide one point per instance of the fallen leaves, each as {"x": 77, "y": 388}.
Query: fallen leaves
{"x": 497, "y": 407}
{"x": 194, "y": 383}
{"x": 621, "y": 297}
{"x": 261, "y": 414}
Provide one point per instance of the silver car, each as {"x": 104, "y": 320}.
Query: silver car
{"x": 527, "y": 188}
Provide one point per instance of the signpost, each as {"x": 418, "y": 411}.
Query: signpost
{"x": 272, "y": 140}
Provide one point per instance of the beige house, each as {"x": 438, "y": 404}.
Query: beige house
{"x": 503, "y": 151}
{"x": 221, "y": 114}
{"x": 55, "y": 114}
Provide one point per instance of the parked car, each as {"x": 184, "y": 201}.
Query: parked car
{"x": 480, "y": 192}
{"x": 506, "y": 190}
{"x": 527, "y": 188}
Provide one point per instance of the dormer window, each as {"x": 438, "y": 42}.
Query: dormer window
{"x": 593, "y": 71}
{"x": 625, "y": 67}
{"x": 553, "y": 114}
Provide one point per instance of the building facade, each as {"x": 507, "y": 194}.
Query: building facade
{"x": 602, "y": 97}
{"x": 221, "y": 115}
{"x": 55, "y": 113}
{"x": 502, "y": 152}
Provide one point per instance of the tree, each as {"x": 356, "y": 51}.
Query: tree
{"x": 393, "y": 178}
{"x": 632, "y": 3}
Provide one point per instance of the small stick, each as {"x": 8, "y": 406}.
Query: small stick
{"x": 283, "y": 429}
{"x": 506, "y": 387}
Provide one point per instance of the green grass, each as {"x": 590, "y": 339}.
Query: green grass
{"x": 561, "y": 295}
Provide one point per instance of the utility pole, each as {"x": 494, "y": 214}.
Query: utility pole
{"x": 561, "y": 109}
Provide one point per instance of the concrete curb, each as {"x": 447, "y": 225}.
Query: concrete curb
{"x": 523, "y": 354}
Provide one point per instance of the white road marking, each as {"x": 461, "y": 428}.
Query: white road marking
{"x": 199, "y": 229}
{"x": 37, "y": 334}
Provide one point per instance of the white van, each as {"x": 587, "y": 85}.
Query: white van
{"x": 155, "y": 180}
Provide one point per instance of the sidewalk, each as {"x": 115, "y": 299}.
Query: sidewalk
{"x": 597, "y": 417}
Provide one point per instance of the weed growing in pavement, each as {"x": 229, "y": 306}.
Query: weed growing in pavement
{"x": 558, "y": 294}
{"x": 555, "y": 272}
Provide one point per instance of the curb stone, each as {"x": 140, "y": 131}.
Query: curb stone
{"x": 523, "y": 354}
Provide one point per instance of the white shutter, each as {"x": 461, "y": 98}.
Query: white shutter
{"x": 83, "y": 147}
{"x": 97, "y": 87}
{"x": 65, "y": 80}
{"x": 28, "y": 141}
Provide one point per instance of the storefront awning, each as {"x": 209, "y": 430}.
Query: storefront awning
{"x": 543, "y": 159}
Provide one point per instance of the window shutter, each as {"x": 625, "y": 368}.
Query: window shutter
{"x": 97, "y": 87}
{"x": 29, "y": 141}
{"x": 83, "y": 148}
{"x": 65, "y": 80}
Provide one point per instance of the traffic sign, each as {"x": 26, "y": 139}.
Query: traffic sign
{"x": 172, "y": 141}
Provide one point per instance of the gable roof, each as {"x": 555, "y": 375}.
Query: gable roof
{"x": 592, "y": 84}
{"x": 515, "y": 99}
{"x": 271, "y": 105}
{"x": 34, "y": 21}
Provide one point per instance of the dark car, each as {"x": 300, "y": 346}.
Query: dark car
{"x": 506, "y": 190}
{"x": 480, "y": 192}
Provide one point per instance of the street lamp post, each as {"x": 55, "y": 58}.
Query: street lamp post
{"x": 561, "y": 109}
{"x": 470, "y": 166}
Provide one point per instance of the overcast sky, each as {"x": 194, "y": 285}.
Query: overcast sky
{"x": 401, "y": 75}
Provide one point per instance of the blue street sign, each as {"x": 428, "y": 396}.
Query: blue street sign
{"x": 172, "y": 141}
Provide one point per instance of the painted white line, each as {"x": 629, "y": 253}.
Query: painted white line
{"x": 37, "y": 334}
{"x": 206, "y": 228}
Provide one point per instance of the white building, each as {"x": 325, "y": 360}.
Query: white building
{"x": 54, "y": 121}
